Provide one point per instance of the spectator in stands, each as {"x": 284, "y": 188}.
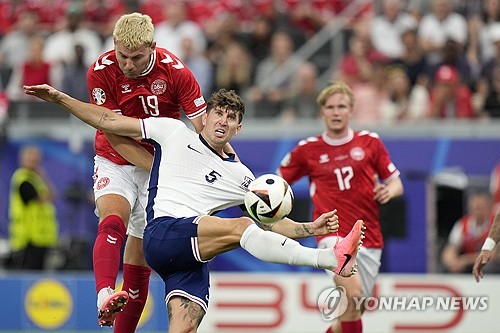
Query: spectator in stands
{"x": 175, "y": 26}
{"x": 35, "y": 70}
{"x": 484, "y": 83}
{"x": 234, "y": 68}
{"x": 439, "y": 26}
{"x": 491, "y": 107}
{"x": 100, "y": 15}
{"x": 258, "y": 40}
{"x": 74, "y": 77}
{"x": 404, "y": 102}
{"x": 370, "y": 95}
{"x": 202, "y": 69}
{"x": 60, "y": 46}
{"x": 301, "y": 100}
{"x": 449, "y": 98}
{"x": 273, "y": 77}
{"x": 14, "y": 46}
{"x": 480, "y": 46}
{"x": 453, "y": 55}
{"x": 49, "y": 12}
{"x": 308, "y": 17}
{"x": 387, "y": 28}
{"x": 468, "y": 235}
{"x": 413, "y": 58}
{"x": 33, "y": 227}
{"x": 357, "y": 65}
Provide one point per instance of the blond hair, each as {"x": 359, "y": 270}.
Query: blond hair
{"x": 134, "y": 30}
{"x": 332, "y": 89}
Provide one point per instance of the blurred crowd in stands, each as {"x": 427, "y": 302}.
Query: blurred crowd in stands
{"x": 405, "y": 60}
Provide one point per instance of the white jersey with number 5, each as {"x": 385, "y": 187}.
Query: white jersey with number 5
{"x": 189, "y": 178}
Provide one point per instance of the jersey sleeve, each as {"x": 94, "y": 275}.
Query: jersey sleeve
{"x": 386, "y": 170}
{"x": 99, "y": 86}
{"x": 189, "y": 93}
{"x": 293, "y": 166}
{"x": 159, "y": 129}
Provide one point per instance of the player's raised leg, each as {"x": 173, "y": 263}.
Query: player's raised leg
{"x": 216, "y": 236}
{"x": 111, "y": 234}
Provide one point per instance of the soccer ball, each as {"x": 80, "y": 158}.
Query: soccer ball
{"x": 269, "y": 199}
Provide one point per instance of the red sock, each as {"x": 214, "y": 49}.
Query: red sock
{"x": 111, "y": 233}
{"x": 352, "y": 326}
{"x": 136, "y": 283}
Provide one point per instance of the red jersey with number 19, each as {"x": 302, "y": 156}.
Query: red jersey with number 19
{"x": 341, "y": 177}
{"x": 164, "y": 87}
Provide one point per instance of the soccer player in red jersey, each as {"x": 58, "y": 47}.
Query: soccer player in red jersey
{"x": 139, "y": 80}
{"x": 344, "y": 168}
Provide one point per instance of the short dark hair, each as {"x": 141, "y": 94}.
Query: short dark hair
{"x": 227, "y": 99}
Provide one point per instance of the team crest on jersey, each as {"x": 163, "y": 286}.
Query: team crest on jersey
{"x": 102, "y": 183}
{"x": 99, "y": 96}
{"x": 158, "y": 86}
{"x": 357, "y": 153}
{"x": 246, "y": 182}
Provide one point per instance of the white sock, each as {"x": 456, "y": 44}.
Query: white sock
{"x": 103, "y": 294}
{"x": 272, "y": 247}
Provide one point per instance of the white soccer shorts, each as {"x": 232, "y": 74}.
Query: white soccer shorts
{"x": 368, "y": 261}
{"x": 130, "y": 182}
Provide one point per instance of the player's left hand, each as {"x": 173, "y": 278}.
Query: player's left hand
{"x": 380, "y": 191}
{"x": 326, "y": 223}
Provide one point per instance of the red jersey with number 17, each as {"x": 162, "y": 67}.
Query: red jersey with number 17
{"x": 341, "y": 177}
{"x": 165, "y": 86}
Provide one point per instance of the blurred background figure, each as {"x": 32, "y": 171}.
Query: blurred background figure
{"x": 60, "y": 45}
{"x": 404, "y": 102}
{"x": 387, "y": 28}
{"x": 266, "y": 96}
{"x": 440, "y": 25}
{"x": 199, "y": 65}
{"x": 34, "y": 70}
{"x": 14, "y": 46}
{"x": 468, "y": 235}
{"x": 234, "y": 68}
{"x": 176, "y": 26}
{"x": 301, "y": 100}
{"x": 33, "y": 226}
{"x": 449, "y": 98}
{"x": 74, "y": 75}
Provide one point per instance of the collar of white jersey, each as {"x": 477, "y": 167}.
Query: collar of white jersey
{"x": 338, "y": 142}
{"x": 230, "y": 156}
{"x": 151, "y": 64}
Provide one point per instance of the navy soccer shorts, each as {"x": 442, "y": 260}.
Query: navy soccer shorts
{"x": 171, "y": 249}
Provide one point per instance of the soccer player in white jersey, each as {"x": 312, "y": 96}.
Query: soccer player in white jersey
{"x": 192, "y": 177}
{"x": 137, "y": 79}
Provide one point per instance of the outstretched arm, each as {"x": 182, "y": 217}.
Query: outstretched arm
{"x": 325, "y": 224}
{"x": 96, "y": 116}
{"x": 489, "y": 244}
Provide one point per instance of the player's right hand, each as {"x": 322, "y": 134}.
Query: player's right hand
{"x": 481, "y": 260}
{"x": 45, "y": 92}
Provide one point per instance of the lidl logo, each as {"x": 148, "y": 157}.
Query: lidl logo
{"x": 48, "y": 304}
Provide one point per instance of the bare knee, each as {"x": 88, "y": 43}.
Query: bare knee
{"x": 184, "y": 315}
{"x": 134, "y": 253}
